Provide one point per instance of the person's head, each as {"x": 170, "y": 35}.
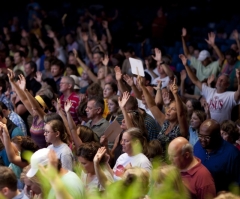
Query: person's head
{"x": 86, "y": 153}
{"x": 66, "y": 84}
{"x": 171, "y": 112}
{"x": 98, "y": 57}
{"x": 54, "y": 131}
{"x": 109, "y": 90}
{"x": 229, "y": 131}
{"x": 30, "y": 68}
{"x": 180, "y": 153}
{"x": 85, "y": 76}
{"x": 155, "y": 150}
{"x": 81, "y": 111}
{"x": 231, "y": 56}
{"x": 193, "y": 104}
{"x": 101, "y": 73}
{"x": 52, "y": 116}
{"x": 197, "y": 118}
{"x": 128, "y": 51}
{"x": 161, "y": 70}
{"x": 57, "y": 68}
{"x": 133, "y": 141}
{"x": 222, "y": 83}
{"x": 86, "y": 134}
{"x": 94, "y": 90}
{"x": 49, "y": 51}
{"x": 71, "y": 69}
{"x": 69, "y": 38}
{"x": 47, "y": 63}
{"x": 209, "y": 134}
{"x": 45, "y": 103}
{"x": 48, "y": 84}
{"x": 9, "y": 61}
{"x": 137, "y": 176}
{"x": 18, "y": 57}
{"x": 132, "y": 104}
{"x": 8, "y": 182}
{"x": 37, "y": 51}
{"x": 71, "y": 58}
{"x": 95, "y": 107}
{"x": 110, "y": 78}
{"x": 204, "y": 57}
{"x": 113, "y": 106}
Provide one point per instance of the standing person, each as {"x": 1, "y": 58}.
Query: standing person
{"x": 220, "y": 157}
{"x": 195, "y": 176}
{"x": 67, "y": 89}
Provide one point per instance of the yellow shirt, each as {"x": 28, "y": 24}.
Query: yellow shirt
{"x": 106, "y": 111}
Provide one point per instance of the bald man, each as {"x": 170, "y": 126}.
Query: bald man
{"x": 220, "y": 157}
{"x": 195, "y": 176}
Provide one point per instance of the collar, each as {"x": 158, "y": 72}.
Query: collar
{"x": 192, "y": 170}
{"x": 101, "y": 121}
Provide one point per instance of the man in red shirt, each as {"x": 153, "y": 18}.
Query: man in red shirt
{"x": 67, "y": 89}
{"x": 195, "y": 175}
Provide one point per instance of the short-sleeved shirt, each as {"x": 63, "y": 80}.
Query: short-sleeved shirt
{"x": 74, "y": 98}
{"x": 220, "y": 104}
{"x": 99, "y": 127}
{"x": 203, "y": 72}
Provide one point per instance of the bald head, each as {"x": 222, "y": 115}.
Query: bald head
{"x": 212, "y": 127}
{"x": 180, "y": 152}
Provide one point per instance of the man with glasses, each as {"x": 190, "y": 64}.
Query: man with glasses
{"x": 94, "y": 110}
{"x": 220, "y": 157}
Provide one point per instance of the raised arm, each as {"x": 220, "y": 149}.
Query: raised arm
{"x": 86, "y": 46}
{"x": 109, "y": 36}
{"x": 190, "y": 73}
{"x": 105, "y": 63}
{"x": 104, "y": 181}
{"x": 122, "y": 102}
{"x": 237, "y": 93}
{"x": 72, "y": 126}
{"x": 185, "y": 48}
{"x": 9, "y": 147}
{"x": 158, "y": 115}
{"x": 181, "y": 114}
{"x": 158, "y": 96}
{"x": 52, "y": 35}
{"x": 130, "y": 82}
{"x": 85, "y": 67}
{"x": 21, "y": 94}
{"x": 34, "y": 104}
{"x": 122, "y": 87}
{"x": 211, "y": 42}
{"x": 166, "y": 68}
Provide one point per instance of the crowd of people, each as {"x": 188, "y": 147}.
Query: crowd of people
{"x": 60, "y": 93}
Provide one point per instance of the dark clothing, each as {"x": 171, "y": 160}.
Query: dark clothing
{"x": 32, "y": 85}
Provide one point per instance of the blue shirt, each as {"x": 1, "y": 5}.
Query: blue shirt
{"x": 193, "y": 136}
{"x": 223, "y": 164}
{"x": 18, "y": 121}
{"x": 7, "y": 102}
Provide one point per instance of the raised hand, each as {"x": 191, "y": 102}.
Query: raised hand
{"x": 183, "y": 75}
{"x": 100, "y": 153}
{"x": 235, "y": 35}
{"x": 90, "y": 23}
{"x": 24, "y": 33}
{"x": 183, "y": 59}
{"x": 85, "y": 37}
{"x": 159, "y": 86}
{"x": 211, "y": 38}
{"x": 75, "y": 53}
{"x": 105, "y": 24}
{"x": 38, "y": 76}
{"x": 118, "y": 73}
{"x": 51, "y": 34}
{"x": 10, "y": 75}
{"x": 158, "y": 55}
{"x": 67, "y": 105}
{"x": 206, "y": 107}
{"x": 174, "y": 87}
{"x": 103, "y": 140}
{"x": 94, "y": 38}
{"x": 140, "y": 81}
{"x": 122, "y": 102}
{"x": 166, "y": 98}
{"x": 210, "y": 79}
{"x": 105, "y": 60}
{"x": 22, "y": 82}
{"x": 128, "y": 79}
{"x": 184, "y": 32}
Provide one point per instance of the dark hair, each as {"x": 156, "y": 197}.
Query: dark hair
{"x": 195, "y": 104}
{"x": 3, "y": 85}
{"x": 52, "y": 83}
{"x": 100, "y": 53}
{"x": 8, "y": 178}
{"x": 49, "y": 48}
{"x": 95, "y": 89}
{"x": 231, "y": 129}
{"x": 21, "y": 53}
{"x": 81, "y": 110}
{"x": 88, "y": 150}
{"x": 57, "y": 125}
{"x": 132, "y": 103}
{"x": 99, "y": 102}
{"x": 58, "y": 62}
{"x": 39, "y": 50}
{"x": 33, "y": 66}
{"x": 17, "y": 73}
{"x": 3, "y": 105}
{"x": 128, "y": 49}
{"x": 73, "y": 68}
{"x": 86, "y": 134}
{"x": 154, "y": 149}
{"x": 48, "y": 102}
{"x": 52, "y": 116}
{"x": 113, "y": 86}
{"x": 232, "y": 53}
{"x": 148, "y": 77}
{"x": 11, "y": 58}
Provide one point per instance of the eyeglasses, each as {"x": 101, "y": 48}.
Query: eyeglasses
{"x": 204, "y": 137}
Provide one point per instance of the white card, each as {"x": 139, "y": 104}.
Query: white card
{"x": 137, "y": 67}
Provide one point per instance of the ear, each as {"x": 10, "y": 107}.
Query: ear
{"x": 57, "y": 134}
{"x": 5, "y": 191}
